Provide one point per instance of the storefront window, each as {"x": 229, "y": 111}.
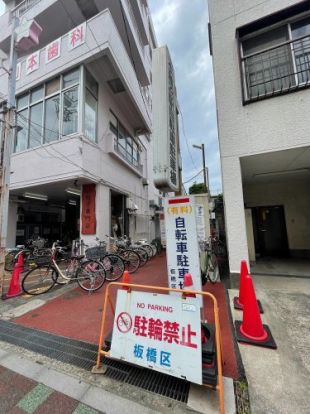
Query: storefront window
{"x": 90, "y": 115}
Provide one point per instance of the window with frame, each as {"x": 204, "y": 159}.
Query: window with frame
{"x": 277, "y": 60}
{"x": 53, "y": 110}
{"x": 124, "y": 144}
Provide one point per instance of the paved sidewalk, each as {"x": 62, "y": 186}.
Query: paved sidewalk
{"x": 20, "y": 395}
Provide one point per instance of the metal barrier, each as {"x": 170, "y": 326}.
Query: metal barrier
{"x": 219, "y": 387}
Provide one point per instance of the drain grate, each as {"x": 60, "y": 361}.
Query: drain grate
{"x": 84, "y": 355}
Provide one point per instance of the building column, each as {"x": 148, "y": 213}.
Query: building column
{"x": 234, "y": 213}
{"x": 12, "y": 222}
{"x": 103, "y": 216}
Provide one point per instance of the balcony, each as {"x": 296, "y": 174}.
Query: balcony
{"x": 23, "y": 8}
{"x": 277, "y": 70}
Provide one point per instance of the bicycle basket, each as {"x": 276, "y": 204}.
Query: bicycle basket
{"x": 93, "y": 253}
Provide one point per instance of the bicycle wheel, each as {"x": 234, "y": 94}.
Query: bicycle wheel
{"x": 213, "y": 269}
{"x": 143, "y": 255}
{"x": 113, "y": 266}
{"x": 39, "y": 280}
{"x": 91, "y": 275}
{"x": 149, "y": 249}
{"x": 131, "y": 260}
{"x": 154, "y": 249}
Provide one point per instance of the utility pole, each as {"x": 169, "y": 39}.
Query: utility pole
{"x": 6, "y": 150}
{"x": 202, "y": 148}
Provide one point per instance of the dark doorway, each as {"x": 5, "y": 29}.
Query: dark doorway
{"x": 270, "y": 231}
{"x": 119, "y": 215}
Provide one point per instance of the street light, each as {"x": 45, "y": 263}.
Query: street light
{"x": 202, "y": 148}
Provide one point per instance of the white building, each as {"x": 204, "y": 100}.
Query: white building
{"x": 84, "y": 114}
{"x": 261, "y": 58}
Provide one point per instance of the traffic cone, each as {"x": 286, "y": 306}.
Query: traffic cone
{"x": 239, "y": 301}
{"x": 126, "y": 280}
{"x": 14, "y": 288}
{"x": 251, "y": 330}
{"x": 188, "y": 285}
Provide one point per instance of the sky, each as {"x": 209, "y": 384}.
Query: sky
{"x": 184, "y": 29}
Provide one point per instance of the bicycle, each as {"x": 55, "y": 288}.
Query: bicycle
{"x": 208, "y": 263}
{"x": 89, "y": 274}
{"x": 131, "y": 258}
{"x": 33, "y": 249}
{"x": 113, "y": 264}
{"x": 144, "y": 257}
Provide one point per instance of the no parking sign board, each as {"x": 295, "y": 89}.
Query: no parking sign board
{"x": 159, "y": 331}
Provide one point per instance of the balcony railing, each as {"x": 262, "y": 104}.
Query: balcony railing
{"x": 277, "y": 70}
{"x": 23, "y": 7}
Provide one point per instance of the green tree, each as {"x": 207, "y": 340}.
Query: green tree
{"x": 197, "y": 188}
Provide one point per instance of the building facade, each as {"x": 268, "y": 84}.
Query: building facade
{"x": 261, "y": 61}
{"x": 83, "y": 149}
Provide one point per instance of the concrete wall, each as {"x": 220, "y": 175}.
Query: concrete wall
{"x": 269, "y": 125}
{"x": 295, "y": 197}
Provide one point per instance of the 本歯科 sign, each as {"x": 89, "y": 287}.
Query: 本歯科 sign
{"x": 158, "y": 331}
{"x": 182, "y": 242}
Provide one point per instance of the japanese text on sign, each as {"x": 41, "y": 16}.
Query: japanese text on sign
{"x": 182, "y": 243}
{"x": 159, "y": 332}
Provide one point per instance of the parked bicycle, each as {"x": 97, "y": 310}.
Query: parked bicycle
{"x": 208, "y": 263}
{"x": 89, "y": 274}
{"x": 130, "y": 257}
{"x": 113, "y": 263}
{"x": 34, "y": 251}
{"x": 138, "y": 248}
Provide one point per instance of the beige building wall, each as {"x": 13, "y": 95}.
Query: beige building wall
{"x": 250, "y": 234}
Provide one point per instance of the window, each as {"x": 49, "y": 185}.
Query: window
{"x": 90, "y": 107}
{"x": 51, "y": 111}
{"x": 276, "y": 61}
{"x": 48, "y": 111}
{"x": 124, "y": 144}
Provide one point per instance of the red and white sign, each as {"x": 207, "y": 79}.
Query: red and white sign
{"x": 77, "y": 36}
{"x": 32, "y": 62}
{"x": 157, "y": 331}
{"x": 182, "y": 242}
{"x": 18, "y": 71}
{"x": 52, "y": 51}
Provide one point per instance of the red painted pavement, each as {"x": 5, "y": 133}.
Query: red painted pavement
{"x": 77, "y": 314}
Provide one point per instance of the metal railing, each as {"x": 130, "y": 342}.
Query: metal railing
{"x": 23, "y": 7}
{"x": 278, "y": 69}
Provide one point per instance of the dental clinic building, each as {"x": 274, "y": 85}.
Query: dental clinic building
{"x": 83, "y": 149}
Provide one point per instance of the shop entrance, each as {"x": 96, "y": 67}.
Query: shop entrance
{"x": 49, "y": 221}
{"x": 119, "y": 215}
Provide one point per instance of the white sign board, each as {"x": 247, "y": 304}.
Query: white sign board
{"x": 158, "y": 331}
{"x": 162, "y": 229}
{"x": 52, "y": 51}
{"x": 77, "y": 36}
{"x": 165, "y": 122}
{"x": 200, "y": 222}
{"x": 33, "y": 62}
{"x": 182, "y": 243}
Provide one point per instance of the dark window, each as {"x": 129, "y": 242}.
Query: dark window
{"x": 276, "y": 61}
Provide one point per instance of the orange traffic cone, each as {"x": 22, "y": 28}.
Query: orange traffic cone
{"x": 126, "y": 279}
{"x": 188, "y": 285}
{"x": 14, "y": 288}
{"x": 239, "y": 301}
{"x": 251, "y": 330}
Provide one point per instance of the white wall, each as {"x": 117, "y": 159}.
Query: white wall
{"x": 295, "y": 197}
{"x": 268, "y": 125}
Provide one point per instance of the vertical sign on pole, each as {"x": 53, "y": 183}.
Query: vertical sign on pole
{"x": 200, "y": 221}
{"x": 182, "y": 241}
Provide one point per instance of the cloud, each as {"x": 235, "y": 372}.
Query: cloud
{"x": 183, "y": 27}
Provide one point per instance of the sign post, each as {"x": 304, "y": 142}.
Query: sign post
{"x": 182, "y": 241}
